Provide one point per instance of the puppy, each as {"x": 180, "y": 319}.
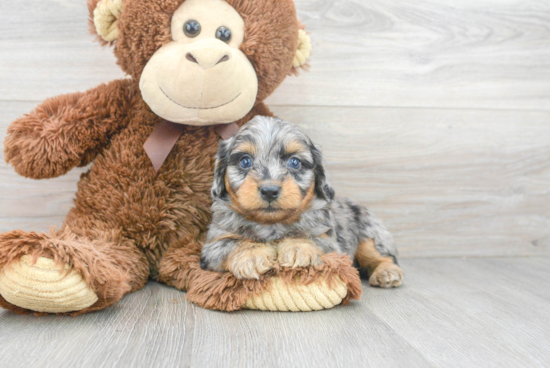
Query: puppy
{"x": 273, "y": 203}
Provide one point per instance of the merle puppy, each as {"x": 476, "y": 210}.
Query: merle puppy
{"x": 274, "y": 203}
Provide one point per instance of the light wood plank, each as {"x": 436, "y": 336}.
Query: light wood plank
{"x": 472, "y": 312}
{"x": 484, "y": 54}
{"x": 449, "y": 313}
{"x": 447, "y": 182}
{"x": 429, "y": 53}
{"x": 47, "y": 50}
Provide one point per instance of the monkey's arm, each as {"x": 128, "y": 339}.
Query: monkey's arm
{"x": 68, "y": 130}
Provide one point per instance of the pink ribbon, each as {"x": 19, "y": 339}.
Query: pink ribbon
{"x": 165, "y": 135}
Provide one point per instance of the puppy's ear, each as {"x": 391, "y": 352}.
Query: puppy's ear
{"x": 323, "y": 188}
{"x": 222, "y": 159}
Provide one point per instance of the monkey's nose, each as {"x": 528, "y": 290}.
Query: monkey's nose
{"x": 206, "y": 59}
{"x": 191, "y": 58}
{"x": 270, "y": 192}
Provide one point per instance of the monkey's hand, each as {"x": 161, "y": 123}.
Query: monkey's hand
{"x": 68, "y": 130}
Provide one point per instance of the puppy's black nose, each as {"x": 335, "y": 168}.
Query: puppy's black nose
{"x": 270, "y": 192}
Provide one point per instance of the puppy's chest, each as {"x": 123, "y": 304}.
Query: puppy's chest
{"x": 269, "y": 233}
{"x": 272, "y": 233}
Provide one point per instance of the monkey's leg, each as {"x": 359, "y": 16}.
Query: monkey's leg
{"x": 383, "y": 271}
{"x": 63, "y": 273}
{"x": 180, "y": 264}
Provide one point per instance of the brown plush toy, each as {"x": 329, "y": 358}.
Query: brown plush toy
{"x": 142, "y": 209}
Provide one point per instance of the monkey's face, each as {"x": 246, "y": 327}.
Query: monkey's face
{"x": 203, "y": 62}
{"x": 201, "y": 77}
{"x": 271, "y": 172}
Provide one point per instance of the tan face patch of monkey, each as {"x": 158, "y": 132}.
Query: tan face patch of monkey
{"x": 201, "y": 77}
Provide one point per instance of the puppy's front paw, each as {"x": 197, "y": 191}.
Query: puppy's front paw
{"x": 387, "y": 275}
{"x": 298, "y": 253}
{"x": 251, "y": 260}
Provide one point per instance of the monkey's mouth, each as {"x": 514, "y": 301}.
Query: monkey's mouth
{"x": 198, "y": 108}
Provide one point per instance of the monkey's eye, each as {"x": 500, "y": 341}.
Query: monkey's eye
{"x": 294, "y": 163}
{"x": 246, "y": 162}
{"x": 223, "y": 34}
{"x": 192, "y": 28}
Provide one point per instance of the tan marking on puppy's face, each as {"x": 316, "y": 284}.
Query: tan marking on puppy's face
{"x": 247, "y": 197}
{"x": 247, "y": 147}
{"x": 294, "y": 147}
{"x": 286, "y": 209}
{"x": 291, "y": 196}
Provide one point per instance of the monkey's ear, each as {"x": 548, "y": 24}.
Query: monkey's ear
{"x": 105, "y": 15}
{"x": 323, "y": 188}
{"x": 303, "y": 51}
{"x": 219, "y": 191}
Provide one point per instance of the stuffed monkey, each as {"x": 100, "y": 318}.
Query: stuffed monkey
{"x": 197, "y": 69}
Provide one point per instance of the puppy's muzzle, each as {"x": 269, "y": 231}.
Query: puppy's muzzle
{"x": 270, "y": 192}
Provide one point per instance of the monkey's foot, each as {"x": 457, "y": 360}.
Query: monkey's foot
{"x": 45, "y": 287}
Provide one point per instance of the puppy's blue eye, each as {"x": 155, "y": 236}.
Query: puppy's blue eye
{"x": 294, "y": 163}
{"x": 246, "y": 162}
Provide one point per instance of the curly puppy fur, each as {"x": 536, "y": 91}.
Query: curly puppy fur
{"x": 271, "y": 191}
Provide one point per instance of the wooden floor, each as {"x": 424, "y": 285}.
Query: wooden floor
{"x": 478, "y": 312}
{"x": 435, "y": 114}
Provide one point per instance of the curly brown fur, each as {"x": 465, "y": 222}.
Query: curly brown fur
{"x": 271, "y": 187}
